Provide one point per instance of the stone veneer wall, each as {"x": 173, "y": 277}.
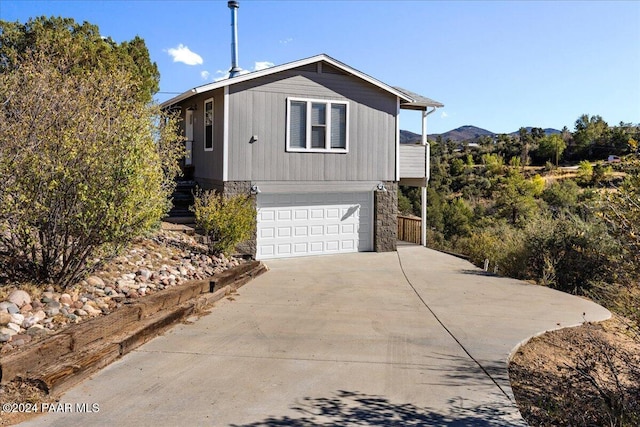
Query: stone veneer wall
{"x": 385, "y": 228}
{"x": 209, "y": 184}
{"x": 233, "y": 188}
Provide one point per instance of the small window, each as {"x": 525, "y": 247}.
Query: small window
{"x": 298, "y": 125}
{"x": 208, "y": 125}
{"x": 317, "y": 126}
{"x": 339, "y": 126}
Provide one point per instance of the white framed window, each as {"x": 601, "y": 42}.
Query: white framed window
{"x": 208, "y": 125}
{"x": 315, "y": 125}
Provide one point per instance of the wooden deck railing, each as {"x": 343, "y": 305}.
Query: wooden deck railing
{"x": 410, "y": 229}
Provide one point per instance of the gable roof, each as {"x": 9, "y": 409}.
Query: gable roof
{"x": 418, "y": 102}
{"x": 272, "y": 70}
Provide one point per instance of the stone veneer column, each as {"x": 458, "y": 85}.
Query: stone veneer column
{"x": 233, "y": 188}
{"x": 385, "y": 228}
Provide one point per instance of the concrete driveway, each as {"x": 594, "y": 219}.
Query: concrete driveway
{"x": 413, "y": 338}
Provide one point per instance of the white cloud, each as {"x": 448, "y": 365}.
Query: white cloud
{"x": 286, "y": 41}
{"x": 183, "y": 54}
{"x": 262, "y": 65}
{"x": 225, "y": 74}
{"x": 205, "y": 75}
{"x": 444, "y": 115}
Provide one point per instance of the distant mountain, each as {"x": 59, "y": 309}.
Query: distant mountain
{"x": 407, "y": 137}
{"x": 463, "y": 133}
{"x": 466, "y": 133}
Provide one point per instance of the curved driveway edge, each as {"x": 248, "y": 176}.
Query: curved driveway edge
{"x": 491, "y": 316}
{"x": 415, "y": 337}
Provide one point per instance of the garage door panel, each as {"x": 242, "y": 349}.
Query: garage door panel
{"x": 332, "y": 246}
{"x": 316, "y": 247}
{"x": 313, "y": 224}
{"x": 332, "y": 229}
{"x": 266, "y": 215}
{"x": 284, "y": 215}
{"x": 301, "y": 214}
{"x": 284, "y": 231}
{"x": 301, "y": 248}
{"x": 284, "y": 248}
{"x": 333, "y": 213}
{"x": 267, "y": 233}
{"x": 266, "y": 251}
{"x": 349, "y": 229}
{"x": 316, "y": 230}
{"x": 348, "y": 245}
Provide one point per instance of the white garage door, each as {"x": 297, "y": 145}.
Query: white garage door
{"x": 292, "y": 225}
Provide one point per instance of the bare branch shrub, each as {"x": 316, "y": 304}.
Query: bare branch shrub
{"x": 610, "y": 377}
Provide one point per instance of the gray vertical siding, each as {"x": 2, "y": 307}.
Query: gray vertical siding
{"x": 207, "y": 164}
{"x": 258, "y": 107}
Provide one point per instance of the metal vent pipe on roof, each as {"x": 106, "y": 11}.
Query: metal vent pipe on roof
{"x": 234, "y": 6}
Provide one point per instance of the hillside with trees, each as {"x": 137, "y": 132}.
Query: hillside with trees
{"x": 560, "y": 210}
{"x": 540, "y": 206}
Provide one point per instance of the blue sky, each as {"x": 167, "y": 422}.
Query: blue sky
{"x": 498, "y": 65}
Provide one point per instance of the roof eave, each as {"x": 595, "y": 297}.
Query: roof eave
{"x": 185, "y": 95}
{"x": 284, "y": 67}
{"x": 420, "y": 106}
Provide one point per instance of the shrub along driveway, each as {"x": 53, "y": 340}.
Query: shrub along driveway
{"x": 409, "y": 338}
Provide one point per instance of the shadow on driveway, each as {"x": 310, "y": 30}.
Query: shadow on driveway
{"x": 347, "y": 408}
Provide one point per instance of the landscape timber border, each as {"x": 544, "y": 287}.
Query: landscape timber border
{"x": 65, "y": 358}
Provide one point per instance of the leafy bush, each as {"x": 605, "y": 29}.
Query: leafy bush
{"x": 502, "y": 244}
{"x": 82, "y": 167}
{"x": 493, "y": 163}
{"x": 227, "y": 221}
{"x": 621, "y": 211}
{"x": 600, "y": 173}
{"x": 562, "y": 194}
{"x": 457, "y": 218}
{"x": 570, "y": 254}
{"x": 537, "y": 185}
{"x": 515, "y": 201}
{"x": 585, "y": 172}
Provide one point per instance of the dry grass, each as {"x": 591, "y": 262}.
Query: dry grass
{"x": 584, "y": 376}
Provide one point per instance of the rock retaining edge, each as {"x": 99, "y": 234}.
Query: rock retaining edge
{"x": 65, "y": 358}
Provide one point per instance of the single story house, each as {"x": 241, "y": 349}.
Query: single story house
{"x": 315, "y": 142}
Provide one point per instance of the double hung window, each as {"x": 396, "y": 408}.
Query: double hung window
{"x": 317, "y": 125}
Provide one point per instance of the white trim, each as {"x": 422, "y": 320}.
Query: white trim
{"x": 255, "y": 74}
{"x": 397, "y": 139}
{"x": 225, "y": 136}
{"x": 315, "y": 186}
{"x": 271, "y": 244}
{"x": 327, "y": 143}
{"x": 204, "y": 123}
